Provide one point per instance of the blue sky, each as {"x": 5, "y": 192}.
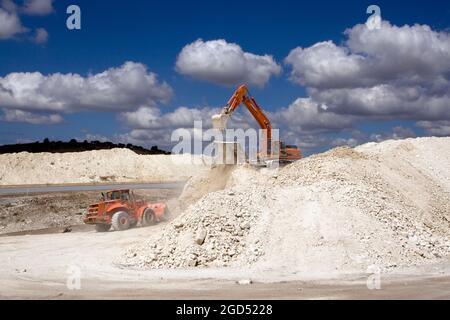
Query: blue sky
{"x": 153, "y": 33}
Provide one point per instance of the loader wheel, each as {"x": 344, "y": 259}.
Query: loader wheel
{"x": 102, "y": 227}
{"x": 148, "y": 218}
{"x": 120, "y": 221}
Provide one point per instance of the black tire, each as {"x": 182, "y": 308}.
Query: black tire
{"x": 102, "y": 227}
{"x": 120, "y": 221}
{"x": 148, "y": 218}
{"x": 133, "y": 224}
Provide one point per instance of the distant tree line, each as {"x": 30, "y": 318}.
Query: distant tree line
{"x": 75, "y": 146}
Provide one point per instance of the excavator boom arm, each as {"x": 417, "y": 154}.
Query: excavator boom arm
{"x": 236, "y": 99}
{"x": 241, "y": 96}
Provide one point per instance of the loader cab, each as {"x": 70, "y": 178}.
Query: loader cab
{"x": 123, "y": 195}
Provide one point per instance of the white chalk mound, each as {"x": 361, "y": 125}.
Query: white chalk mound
{"x": 343, "y": 211}
{"x": 115, "y": 165}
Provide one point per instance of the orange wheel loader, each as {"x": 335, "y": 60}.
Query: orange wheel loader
{"x": 122, "y": 209}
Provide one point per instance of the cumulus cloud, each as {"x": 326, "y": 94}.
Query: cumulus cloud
{"x": 38, "y": 7}
{"x": 306, "y": 115}
{"x": 408, "y": 54}
{"x": 390, "y": 73}
{"x": 435, "y": 128}
{"x": 225, "y": 63}
{"x": 386, "y": 101}
{"x": 387, "y": 73}
{"x": 149, "y": 125}
{"x": 324, "y": 65}
{"x": 152, "y": 118}
{"x": 350, "y": 142}
{"x": 9, "y": 6}
{"x": 10, "y": 24}
{"x": 127, "y": 87}
{"x": 146, "y": 137}
{"x": 309, "y": 124}
{"x": 357, "y": 137}
{"x": 30, "y": 117}
{"x": 96, "y": 137}
{"x": 304, "y": 122}
{"x": 397, "y": 133}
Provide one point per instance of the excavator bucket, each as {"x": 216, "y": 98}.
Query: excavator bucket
{"x": 219, "y": 121}
{"x": 226, "y": 153}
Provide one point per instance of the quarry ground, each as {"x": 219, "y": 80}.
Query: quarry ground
{"x": 39, "y": 266}
{"x": 53, "y": 212}
{"x": 37, "y": 263}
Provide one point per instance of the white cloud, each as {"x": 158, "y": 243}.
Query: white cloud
{"x": 435, "y": 128}
{"x": 30, "y": 117}
{"x": 309, "y": 124}
{"x": 409, "y": 55}
{"x": 386, "y": 101}
{"x": 350, "y": 142}
{"x": 152, "y": 118}
{"x": 9, "y": 6}
{"x": 416, "y": 51}
{"x": 127, "y": 87}
{"x": 387, "y": 73}
{"x": 324, "y": 65}
{"x": 357, "y": 137}
{"x": 397, "y": 133}
{"x": 10, "y": 24}
{"x": 96, "y": 137}
{"x": 225, "y": 63}
{"x": 148, "y": 125}
{"x": 145, "y": 137}
{"x": 303, "y": 122}
{"x": 41, "y": 36}
{"x": 306, "y": 115}
{"x": 38, "y": 7}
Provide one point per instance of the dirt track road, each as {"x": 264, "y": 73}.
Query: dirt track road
{"x": 87, "y": 187}
{"x": 38, "y": 266}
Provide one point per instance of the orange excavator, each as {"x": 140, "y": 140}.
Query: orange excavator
{"x": 270, "y": 151}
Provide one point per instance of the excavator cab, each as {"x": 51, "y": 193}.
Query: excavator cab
{"x": 289, "y": 153}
